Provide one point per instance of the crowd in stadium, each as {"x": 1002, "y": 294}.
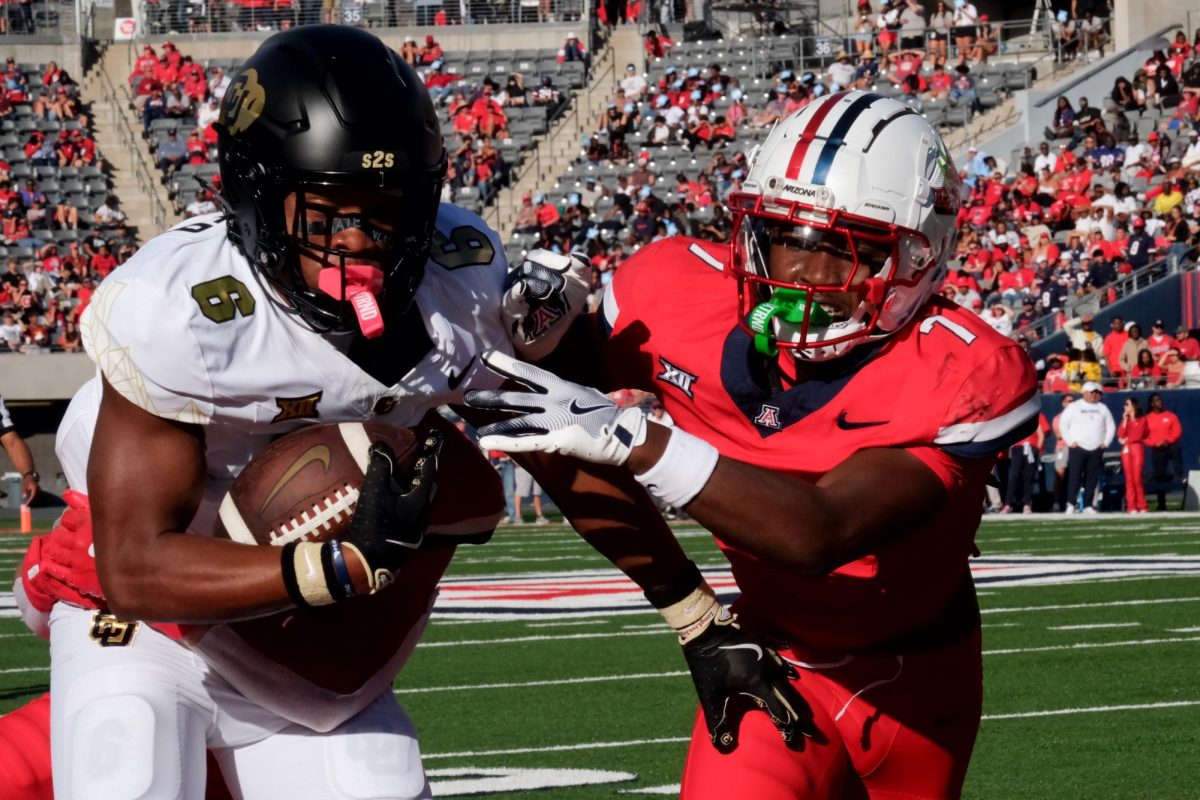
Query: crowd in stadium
{"x": 62, "y": 232}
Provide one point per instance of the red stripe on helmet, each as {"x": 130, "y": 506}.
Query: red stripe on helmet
{"x": 810, "y": 133}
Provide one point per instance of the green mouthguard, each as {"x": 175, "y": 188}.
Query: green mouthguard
{"x": 790, "y": 303}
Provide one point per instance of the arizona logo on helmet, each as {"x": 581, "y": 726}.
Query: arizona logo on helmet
{"x": 829, "y": 176}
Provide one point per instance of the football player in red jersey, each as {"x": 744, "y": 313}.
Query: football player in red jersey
{"x": 835, "y": 427}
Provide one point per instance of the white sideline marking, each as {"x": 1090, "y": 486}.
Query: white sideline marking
{"x": 1093, "y": 626}
{"x": 557, "y": 682}
{"x": 1184, "y": 630}
{"x": 1090, "y": 645}
{"x": 679, "y": 673}
{"x": 559, "y": 748}
{"x": 12, "y": 670}
{"x": 565, "y": 624}
{"x": 1057, "y": 712}
{"x": 671, "y": 789}
{"x": 1105, "y": 604}
{"x": 661, "y": 629}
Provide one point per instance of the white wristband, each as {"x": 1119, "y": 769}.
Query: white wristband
{"x": 685, "y": 467}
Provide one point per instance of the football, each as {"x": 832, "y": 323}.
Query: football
{"x": 304, "y": 486}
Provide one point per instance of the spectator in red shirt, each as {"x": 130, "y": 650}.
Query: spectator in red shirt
{"x": 1163, "y": 437}
{"x": 1159, "y": 341}
{"x": 103, "y": 262}
{"x": 1189, "y": 348}
{"x": 547, "y": 213}
{"x": 165, "y": 73}
{"x": 1055, "y": 381}
{"x": 657, "y": 46}
{"x": 1146, "y": 374}
{"x": 145, "y": 63}
{"x": 1113, "y": 342}
{"x": 1131, "y": 433}
{"x": 431, "y": 51}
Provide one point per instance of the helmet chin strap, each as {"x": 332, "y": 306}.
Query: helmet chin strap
{"x": 357, "y": 284}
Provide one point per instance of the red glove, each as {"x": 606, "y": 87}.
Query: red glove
{"x": 33, "y": 577}
{"x": 68, "y": 559}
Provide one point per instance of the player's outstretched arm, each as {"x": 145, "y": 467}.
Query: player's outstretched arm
{"x": 813, "y": 528}
{"x": 733, "y": 672}
{"x": 145, "y": 479}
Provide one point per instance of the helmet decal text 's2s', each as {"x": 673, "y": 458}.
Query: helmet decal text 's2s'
{"x": 863, "y": 176}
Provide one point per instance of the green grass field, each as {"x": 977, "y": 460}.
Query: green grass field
{"x": 1092, "y": 659}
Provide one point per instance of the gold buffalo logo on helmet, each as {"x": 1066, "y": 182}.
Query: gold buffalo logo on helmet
{"x": 243, "y": 103}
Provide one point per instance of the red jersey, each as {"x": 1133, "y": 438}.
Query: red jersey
{"x": 1162, "y": 427}
{"x": 672, "y": 315}
{"x": 1133, "y": 431}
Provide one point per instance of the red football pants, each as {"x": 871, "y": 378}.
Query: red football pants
{"x": 25, "y": 756}
{"x": 891, "y": 727}
{"x": 1133, "y": 461}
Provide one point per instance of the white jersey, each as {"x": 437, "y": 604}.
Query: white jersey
{"x": 186, "y": 331}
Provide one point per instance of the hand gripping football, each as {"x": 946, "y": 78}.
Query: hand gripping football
{"x": 304, "y": 486}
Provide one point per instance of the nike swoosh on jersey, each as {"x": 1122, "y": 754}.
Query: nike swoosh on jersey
{"x": 315, "y": 453}
{"x": 847, "y": 425}
{"x": 758, "y": 651}
{"x": 455, "y": 379}
{"x": 575, "y": 408}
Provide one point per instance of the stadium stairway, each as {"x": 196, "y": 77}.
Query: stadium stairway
{"x": 565, "y": 139}
{"x": 1006, "y": 115}
{"x": 145, "y": 201}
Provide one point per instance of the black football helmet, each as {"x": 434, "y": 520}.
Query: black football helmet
{"x": 328, "y": 106}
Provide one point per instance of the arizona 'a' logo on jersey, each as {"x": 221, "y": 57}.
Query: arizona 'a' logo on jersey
{"x": 297, "y": 407}
{"x": 679, "y": 378}
{"x": 768, "y": 417}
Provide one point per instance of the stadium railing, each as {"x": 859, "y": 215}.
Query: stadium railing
{"x": 222, "y": 16}
{"x": 118, "y": 100}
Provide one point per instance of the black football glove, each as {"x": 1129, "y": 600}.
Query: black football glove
{"x": 733, "y": 674}
{"x": 391, "y": 516}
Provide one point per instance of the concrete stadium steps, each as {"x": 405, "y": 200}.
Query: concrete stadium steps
{"x": 564, "y": 141}
{"x": 123, "y": 155}
{"x": 1006, "y": 115}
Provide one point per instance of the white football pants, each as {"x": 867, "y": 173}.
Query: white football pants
{"x": 132, "y": 713}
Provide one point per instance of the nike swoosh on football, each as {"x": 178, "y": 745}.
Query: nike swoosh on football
{"x": 758, "y": 651}
{"x": 315, "y": 453}
{"x": 575, "y": 408}
{"x": 455, "y": 379}
{"x": 847, "y": 425}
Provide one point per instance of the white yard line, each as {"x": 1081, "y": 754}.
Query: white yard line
{"x": 1105, "y": 604}
{"x": 676, "y": 673}
{"x": 565, "y": 623}
{"x": 557, "y": 682}
{"x": 1093, "y": 626}
{"x": 560, "y": 748}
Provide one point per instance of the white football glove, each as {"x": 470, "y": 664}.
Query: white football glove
{"x": 555, "y": 416}
{"x": 542, "y": 297}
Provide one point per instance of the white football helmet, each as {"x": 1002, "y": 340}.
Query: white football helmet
{"x": 861, "y": 175}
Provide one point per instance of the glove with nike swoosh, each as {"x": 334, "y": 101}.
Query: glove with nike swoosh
{"x": 732, "y": 671}
{"x": 542, "y": 297}
{"x": 388, "y": 525}
{"x": 390, "y": 518}
{"x": 555, "y": 416}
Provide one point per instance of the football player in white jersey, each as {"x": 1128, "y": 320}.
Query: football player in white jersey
{"x": 333, "y": 287}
